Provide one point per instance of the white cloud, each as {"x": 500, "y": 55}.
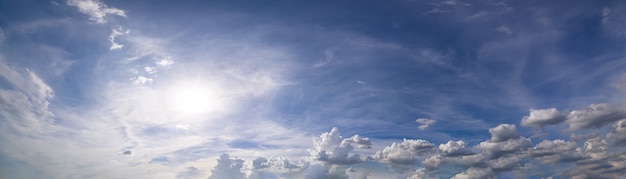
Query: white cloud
{"x": 454, "y": 148}
{"x": 332, "y": 148}
{"x": 139, "y": 80}
{"x": 542, "y": 117}
{"x": 25, "y": 103}
{"x": 425, "y": 123}
{"x": 114, "y": 34}
{"x": 150, "y": 70}
{"x": 405, "y": 152}
{"x": 228, "y": 168}
{"x": 96, "y": 10}
{"x": 165, "y": 62}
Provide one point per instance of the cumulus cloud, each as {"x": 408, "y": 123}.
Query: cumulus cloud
{"x": 114, "y": 34}
{"x": 332, "y": 148}
{"x": 543, "y": 117}
{"x": 96, "y": 10}
{"x": 425, "y": 123}
{"x": 360, "y": 142}
{"x": 454, "y": 148}
{"x": 228, "y": 167}
{"x": 594, "y": 116}
{"x": 405, "y": 152}
{"x": 504, "y": 140}
{"x": 556, "y": 151}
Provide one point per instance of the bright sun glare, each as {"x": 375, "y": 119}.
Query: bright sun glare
{"x": 194, "y": 99}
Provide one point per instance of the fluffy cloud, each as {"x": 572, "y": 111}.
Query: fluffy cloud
{"x": 542, "y": 117}
{"x": 360, "y": 142}
{"x": 332, "y": 148}
{"x": 505, "y": 140}
{"x": 425, "y": 123}
{"x": 228, "y": 168}
{"x": 96, "y": 10}
{"x": 454, "y": 148}
{"x": 405, "y": 152}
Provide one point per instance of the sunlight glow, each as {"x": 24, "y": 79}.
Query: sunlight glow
{"x": 195, "y": 99}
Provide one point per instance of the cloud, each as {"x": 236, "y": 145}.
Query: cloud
{"x": 115, "y": 33}
{"x": 594, "y": 116}
{"x": 96, "y": 10}
{"x": 556, "y": 151}
{"x": 332, "y": 148}
{"x": 454, "y": 148}
{"x": 330, "y": 55}
{"x": 504, "y": 29}
{"x": 618, "y": 133}
{"x": 228, "y": 168}
{"x": 25, "y": 100}
{"x": 139, "y": 80}
{"x": 361, "y": 142}
{"x": 405, "y": 152}
{"x": 425, "y": 123}
{"x": 190, "y": 172}
{"x": 504, "y": 140}
{"x": 543, "y": 117}
{"x": 475, "y": 173}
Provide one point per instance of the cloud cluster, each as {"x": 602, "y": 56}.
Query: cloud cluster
{"x": 332, "y": 148}
{"x": 506, "y": 151}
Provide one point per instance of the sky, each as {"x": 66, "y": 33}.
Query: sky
{"x": 397, "y": 89}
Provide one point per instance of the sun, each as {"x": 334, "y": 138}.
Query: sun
{"x": 195, "y": 99}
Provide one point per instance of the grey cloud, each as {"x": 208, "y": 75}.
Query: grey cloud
{"x": 618, "y": 133}
{"x": 361, "y": 142}
{"x": 556, "y": 151}
{"x": 594, "y": 116}
{"x": 503, "y": 132}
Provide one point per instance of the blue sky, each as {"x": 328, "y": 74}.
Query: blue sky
{"x": 316, "y": 89}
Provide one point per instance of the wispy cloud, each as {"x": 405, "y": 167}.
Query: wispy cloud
{"x": 114, "y": 34}
{"x": 96, "y": 10}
